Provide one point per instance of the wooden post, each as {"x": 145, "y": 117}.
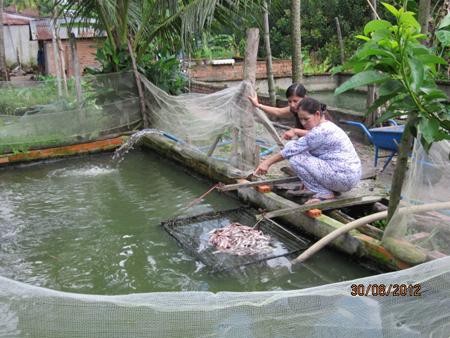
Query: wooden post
{"x": 247, "y": 122}
{"x": 251, "y": 52}
{"x": 341, "y": 42}
{"x": 269, "y": 69}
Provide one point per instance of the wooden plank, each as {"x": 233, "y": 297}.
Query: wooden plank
{"x": 366, "y": 229}
{"x": 325, "y": 205}
{"x": 256, "y": 183}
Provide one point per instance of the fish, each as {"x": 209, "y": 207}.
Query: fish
{"x": 240, "y": 240}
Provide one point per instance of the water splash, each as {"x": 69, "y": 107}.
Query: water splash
{"x": 88, "y": 171}
{"x": 131, "y": 142}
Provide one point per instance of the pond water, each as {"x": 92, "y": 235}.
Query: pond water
{"x": 352, "y": 100}
{"x": 86, "y": 225}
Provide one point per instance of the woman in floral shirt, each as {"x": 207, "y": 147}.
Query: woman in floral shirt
{"x": 324, "y": 158}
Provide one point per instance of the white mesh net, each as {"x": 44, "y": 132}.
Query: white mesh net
{"x": 32, "y": 116}
{"x": 222, "y": 125}
{"x": 226, "y": 118}
{"x": 417, "y": 237}
{"x": 325, "y": 311}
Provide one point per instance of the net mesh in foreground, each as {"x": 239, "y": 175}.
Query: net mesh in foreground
{"x": 324, "y": 311}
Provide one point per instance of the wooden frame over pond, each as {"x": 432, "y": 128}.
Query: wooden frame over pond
{"x": 356, "y": 243}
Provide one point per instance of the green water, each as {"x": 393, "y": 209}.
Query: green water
{"x": 84, "y": 225}
{"x": 355, "y": 101}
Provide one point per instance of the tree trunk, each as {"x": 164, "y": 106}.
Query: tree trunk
{"x": 62, "y": 63}
{"x": 371, "y": 89}
{"x": 297, "y": 74}
{"x": 424, "y": 15}
{"x": 341, "y": 42}
{"x": 3, "y": 69}
{"x": 138, "y": 84}
{"x": 270, "y": 80}
{"x": 55, "y": 54}
{"x": 76, "y": 73}
{"x": 401, "y": 167}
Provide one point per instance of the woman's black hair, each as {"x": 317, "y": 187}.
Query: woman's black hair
{"x": 311, "y": 105}
{"x": 296, "y": 89}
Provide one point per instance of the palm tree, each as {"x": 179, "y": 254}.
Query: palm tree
{"x": 141, "y": 22}
{"x": 296, "y": 41}
{"x": 3, "y": 70}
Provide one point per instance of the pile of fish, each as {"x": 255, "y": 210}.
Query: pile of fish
{"x": 241, "y": 240}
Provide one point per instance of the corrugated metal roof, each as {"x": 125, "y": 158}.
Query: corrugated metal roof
{"x": 41, "y": 30}
{"x": 15, "y": 19}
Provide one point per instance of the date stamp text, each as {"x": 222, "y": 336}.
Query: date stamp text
{"x": 395, "y": 290}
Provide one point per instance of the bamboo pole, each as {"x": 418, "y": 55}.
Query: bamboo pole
{"x": 361, "y": 221}
{"x": 256, "y": 183}
{"x": 324, "y": 205}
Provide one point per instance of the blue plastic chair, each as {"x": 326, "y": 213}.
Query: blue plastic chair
{"x": 387, "y": 138}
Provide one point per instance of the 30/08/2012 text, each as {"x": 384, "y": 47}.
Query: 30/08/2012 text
{"x": 396, "y": 290}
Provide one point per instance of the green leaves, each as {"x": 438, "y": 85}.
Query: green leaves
{"x": 362, "y": 79}
{"x": 375, "y": 25}
{"x": 444, "y": 37}
{"x": 417, "y": 74}
{"x": 393, "y": 57}
{"x": 391, "y": 9}
{"x": 445, "y": 21}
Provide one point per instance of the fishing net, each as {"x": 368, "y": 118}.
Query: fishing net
{"x": 224, "y": 125}
{"x": 193, "y": 234}
{"x": 32, "y": 115}
{"x": 417, "y": 237}
{"x": 325, "y": 311}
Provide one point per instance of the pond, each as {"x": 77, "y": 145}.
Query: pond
{"x": 352, "y": 100}
{"x": 87, "y": 225}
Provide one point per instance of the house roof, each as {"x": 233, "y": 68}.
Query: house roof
{"x": 10, "y": 19}
{"x": 29, "y": 12}
{"x": 42, "y": 30}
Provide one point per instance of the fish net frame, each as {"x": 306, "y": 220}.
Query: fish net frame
{"x": 192, "y": 234}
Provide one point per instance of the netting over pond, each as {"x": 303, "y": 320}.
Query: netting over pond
{"x": 416, "y": 237}
{"x": 325, "y": 311}
{"x": 409, "y": 303}
{"x": 224, "y": 125}
{"x": 33, "y": 116}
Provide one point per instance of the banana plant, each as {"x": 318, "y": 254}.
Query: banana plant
{"x": 393, "y": 58}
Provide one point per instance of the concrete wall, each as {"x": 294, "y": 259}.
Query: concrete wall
{"x": 86, "y": 49}
{"x": 231, "y": 75}
{"x": 17, "y": 42}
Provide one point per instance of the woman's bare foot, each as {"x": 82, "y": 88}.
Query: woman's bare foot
{"x": 317, "y": 199}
